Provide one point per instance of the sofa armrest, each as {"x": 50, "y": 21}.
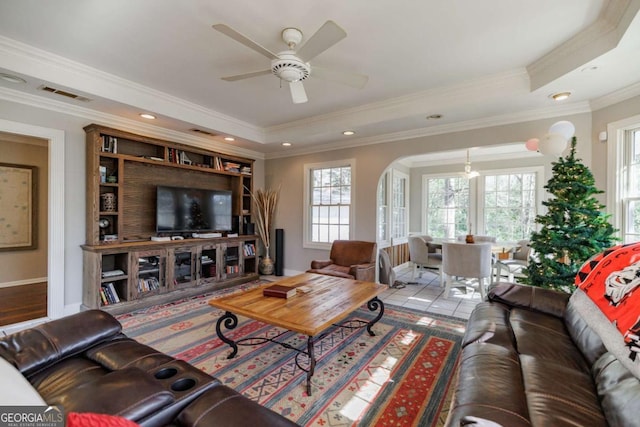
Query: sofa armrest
{"x": 365, "y": 272}
{"x": 534, "y": 298}
{"x": 320, "y": 263}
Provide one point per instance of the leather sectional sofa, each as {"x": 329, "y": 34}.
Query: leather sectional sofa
{"x": 536, "y": 357}
{"x": 85, "y": 364}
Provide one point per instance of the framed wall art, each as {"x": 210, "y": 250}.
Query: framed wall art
{"x": 18, "y": 207}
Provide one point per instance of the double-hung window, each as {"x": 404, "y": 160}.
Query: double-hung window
{"x": 399, "y": 205}
{"x": 446, "y": 205}
{"x": 328, "y": 211}
{"x": 623, "y": 191}
{"x": 503, "y": 204}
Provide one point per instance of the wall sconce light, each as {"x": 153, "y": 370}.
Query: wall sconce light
{"x": 602, "y": 136}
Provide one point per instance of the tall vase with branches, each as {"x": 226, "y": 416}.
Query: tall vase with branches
{"x": 265, "y": 202}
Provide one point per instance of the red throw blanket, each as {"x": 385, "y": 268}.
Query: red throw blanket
{"x": 611, "y": 280}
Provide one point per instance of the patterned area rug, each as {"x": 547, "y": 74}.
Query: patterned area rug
{"x": 399, "y": 377}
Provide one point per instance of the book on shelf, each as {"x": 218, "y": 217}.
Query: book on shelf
{"x": 278, "y": 291}
{"x": 109, "y": 144}
{"x": 112, "y": 290}
{"x": 103, "y": 297}
{"x": 249, "y": 249}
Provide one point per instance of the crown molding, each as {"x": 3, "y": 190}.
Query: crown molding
{"x": 412, "y": 104}
{"x": 499, "y": 120}
{"x": 615, "y": 97}
{"x": 119, "y": 122}
{"x": 598, "y": 38}
{"x": 38, "y": 63}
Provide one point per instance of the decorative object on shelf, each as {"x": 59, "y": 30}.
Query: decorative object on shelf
{"x": 265, "y": 206}
{"x": 104, "y": 223}
{"x": 469, "y": 238}
{"x": 108, "y": 202}
{"x": 112, "y": 179}
{"x": 467, "y": 169}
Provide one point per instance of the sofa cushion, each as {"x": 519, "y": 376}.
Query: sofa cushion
{"x": 489, "y": 386}
{"x": 122, "y": 353}
{"x": 17, "y": 391}
{"x": 546, "y": 338}
{"x": 333, "y": 270}
{"x": 490, "y": 323}
{"x": 559, "y": 395}
{"x": 35, "y": 348}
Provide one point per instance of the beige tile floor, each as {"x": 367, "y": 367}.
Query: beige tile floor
{"x": 427, "y": 295}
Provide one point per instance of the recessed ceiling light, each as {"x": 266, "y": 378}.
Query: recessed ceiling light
{"x": 589, "y": 68}
{"x": 228, "y": 138}
{"x": 434, "y": 117}
{"x": 286, "y": 144}
{"x": 560, "y": 96}
{"x": 147, "y": 116}
{"x": 349, "y": 132}
{"x": 11, "y": 78}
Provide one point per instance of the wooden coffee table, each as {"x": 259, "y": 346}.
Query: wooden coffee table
{"x": 326, "y": 300}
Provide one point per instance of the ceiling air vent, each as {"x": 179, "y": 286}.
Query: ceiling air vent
{"x": 202, "y": 132}
{"x": 64, "y": 93}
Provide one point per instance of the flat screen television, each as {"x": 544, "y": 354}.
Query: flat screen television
{"x": 191, "y": 210}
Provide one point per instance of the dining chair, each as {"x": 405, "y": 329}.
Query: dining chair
{"x": 515, "y": 265}
{"x": 422, "y": 257}
{"x": 466, "y": 260}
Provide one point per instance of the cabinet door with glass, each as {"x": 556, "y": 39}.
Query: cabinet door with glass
{"x": 231, "y": 260}
{"x": 182, "y": 271}
{"x": 148, "y": 273}
{"x": 209, "y": 260}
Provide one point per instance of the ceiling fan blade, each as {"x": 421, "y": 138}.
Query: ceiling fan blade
{"x": 328, "y": 35}
{"x": 355, "y": 80}
{"x": 246, "y": 75}
{"x": 240, "y": 38}
{"x": 298, "y": 94}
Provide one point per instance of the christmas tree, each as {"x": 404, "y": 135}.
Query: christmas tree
{"x": 573, "y": 229}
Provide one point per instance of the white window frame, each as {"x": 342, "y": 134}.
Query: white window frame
{"x": 423, "y": 196}
{"x": 616, "y": 182}
{"x": 307, "y": 241}
{"x": 540, "y": 183}
{"x": 396, "y": 174}
{"x": 476, "y": 194}
{"x": 383, "y": 243}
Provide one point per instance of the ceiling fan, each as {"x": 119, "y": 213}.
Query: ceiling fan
{"x": 292, "y": 65}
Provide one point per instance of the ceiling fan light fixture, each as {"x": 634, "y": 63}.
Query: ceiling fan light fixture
{"x": 468, "y": 173}
{"x": 289, "y": 68}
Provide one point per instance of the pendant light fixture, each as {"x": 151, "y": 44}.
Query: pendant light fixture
{"x": 467, "y": 169}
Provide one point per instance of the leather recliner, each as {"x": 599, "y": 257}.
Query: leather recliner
{"x": 351, "y": 259}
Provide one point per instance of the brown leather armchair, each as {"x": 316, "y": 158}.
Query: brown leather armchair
{"x": 351, "y": 259}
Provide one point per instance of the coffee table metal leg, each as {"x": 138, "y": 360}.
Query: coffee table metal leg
{"x": 374, "y": 305}
{"x": 230, "y": 321}
{"x": 312, "y": 364}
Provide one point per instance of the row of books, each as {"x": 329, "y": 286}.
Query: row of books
{"x": 179, "y": 157}
{"x": 249, "y": 249}
{"x": 109, "y": 144}
{"x": 233, "y": 269}
{"x": 148, "y": 284}
{"x": 108, "y": 294}
{"x": 231, "y": 167}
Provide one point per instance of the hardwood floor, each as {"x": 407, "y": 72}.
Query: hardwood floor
{"x": 22, "y": 303}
